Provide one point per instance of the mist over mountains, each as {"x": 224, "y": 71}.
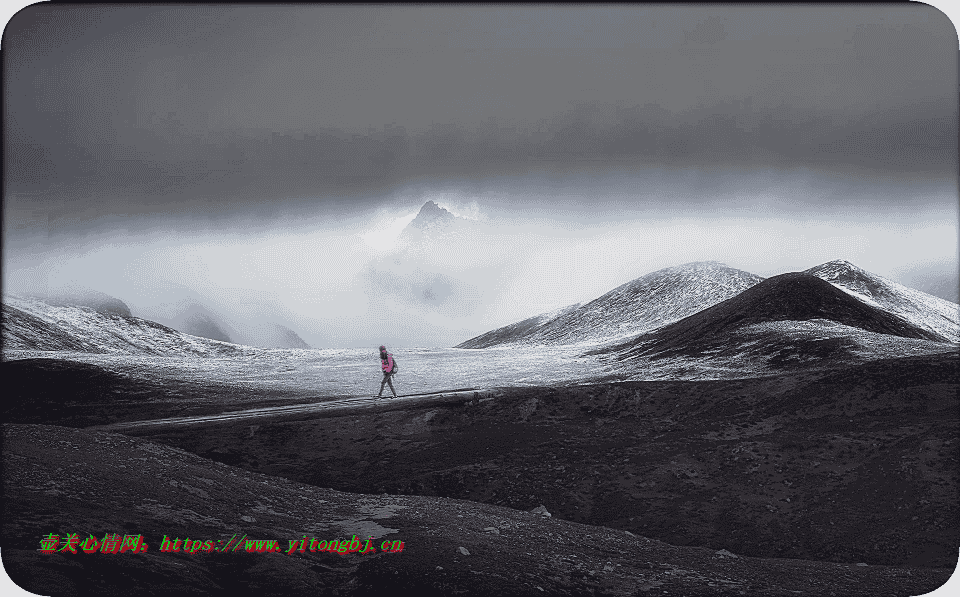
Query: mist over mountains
{"x": 195, "y": 319}
{"x": 30, "y": 324}
{"x": 420, "y": 274}
{"x": 443, "y": 272}
{"x": 701, "y": 314}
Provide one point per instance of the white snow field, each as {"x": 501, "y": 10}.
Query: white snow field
{"x": 353, "y": 372}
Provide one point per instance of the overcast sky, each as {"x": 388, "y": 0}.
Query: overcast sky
{"x": 274, "y": 151}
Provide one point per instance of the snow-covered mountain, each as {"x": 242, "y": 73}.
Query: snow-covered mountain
{"x": 919, "y": 308}
{"x": 787, "y": 321}
{"x": 31, "y": 324}
{"x": 516, "y": 332}
{"x": 433, "y": 224}
{"x": 641, "y": 305}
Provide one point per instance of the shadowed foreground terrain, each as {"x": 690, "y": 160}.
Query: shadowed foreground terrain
{"x": 61, "y": 480}
{"x": 76, "y": 394}
{"x": 851, "y": 465}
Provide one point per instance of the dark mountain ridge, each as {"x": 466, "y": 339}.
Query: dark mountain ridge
{"x": 791, "y": 297}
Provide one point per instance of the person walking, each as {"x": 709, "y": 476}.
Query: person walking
{"x": 389, "y": 367}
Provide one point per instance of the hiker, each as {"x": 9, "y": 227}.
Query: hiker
{"x": 389, "y": 369}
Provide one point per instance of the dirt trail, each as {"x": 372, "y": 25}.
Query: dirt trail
{"x": 298, "y": 410}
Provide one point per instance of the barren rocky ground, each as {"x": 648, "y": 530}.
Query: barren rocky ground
{"x": 60, "y": 480}
{"x": 854, "y": 465}
{"x": 837, "y": 479}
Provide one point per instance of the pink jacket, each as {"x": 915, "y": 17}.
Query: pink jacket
{"x": 387, "y": 365}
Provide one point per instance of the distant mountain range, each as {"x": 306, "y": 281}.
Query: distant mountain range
{"x": 273, "y": 335}
{"x": 198, "y": 320}
{"x": 671, "y": 294}
{"x": 705, "y": 320}
{"x": 31, "y": 324}
{"x": 695, "y": 320}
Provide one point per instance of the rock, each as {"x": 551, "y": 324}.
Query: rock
{"x": 493, "y": 530}
{"x": 629, "y": 533}
{"x": 464, "y": 551}
{"x": 248, "y": 519}
{"x": 861, "y": 564}
{"x": 541, "y": 510}
{"x": 725, "y": 554}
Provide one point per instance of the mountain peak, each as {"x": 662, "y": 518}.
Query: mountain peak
{"x": 919, "y": 308}
{"x": 836, "y": 266}
{"x": 432, "y": 215}
{"x": 699, "y": 265}
{"x": 784, "y": 298}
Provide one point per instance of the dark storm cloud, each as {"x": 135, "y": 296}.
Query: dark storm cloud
{"x": 207, "y": 113}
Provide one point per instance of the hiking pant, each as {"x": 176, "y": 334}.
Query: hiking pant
{"x": 387, "y": 379}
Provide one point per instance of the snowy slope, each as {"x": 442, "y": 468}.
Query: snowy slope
{"x": 647, "y": 303}
{"x": 793, "y": 320}
{"x": 31, "y": 324}
{"x": 87, "y": 297}
{"x": 919, "y": 308}
{"x": 522, "y": 329}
